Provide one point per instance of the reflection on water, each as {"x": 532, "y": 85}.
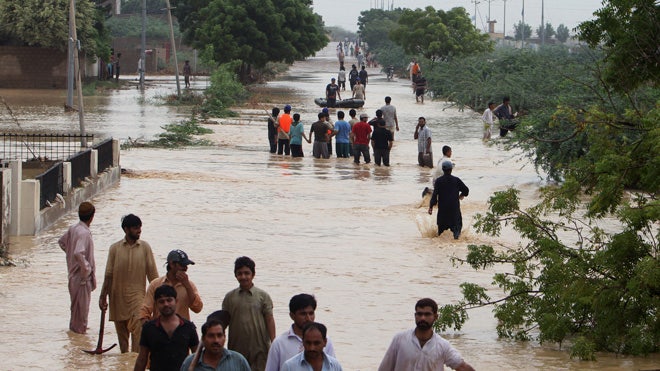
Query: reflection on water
{"x": 357, "y": 237}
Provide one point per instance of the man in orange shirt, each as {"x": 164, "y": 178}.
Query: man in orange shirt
{"x": 283, "y": 126}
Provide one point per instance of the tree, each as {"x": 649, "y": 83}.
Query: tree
{"x": 629, "y": 32}
{"x": 586, "y": 269}
{"x": 519, "y": 28}
{"x": 46, "y": 24}
{"x": 549, "y": 31}
{"x": 135, "y": 7}
{"x": 253, "y": 31}
{"x": 562, "y": 33}
{"x": 438, "y": 34}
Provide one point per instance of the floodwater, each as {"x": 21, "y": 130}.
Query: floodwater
{"x": 357, "y": 237}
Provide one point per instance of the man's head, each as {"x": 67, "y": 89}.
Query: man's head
{"x": 213, "y": 336}
{"x": 165, "y": 299}
{"x": 132, "y": 226}
{"x": 187, "y": 61}
{"x": 352, "y": 113}
{"x": 296, "y": 117}
{"x": 314, "y": 340}
{"x": 363, "y": 67}
{"x": 491, "y": 105}
{"x": 506, "y": 100}
{"x": 332, "y": 80}
{"x": 446, "y": 151}
{"x": 321, "y": 116}
{"x": 421, "y": 121}
{"x": 287, "y": 108}
{"x": 388, "y": 99}
{"x": 358, "y": 81}
{"x": 275, "y": 111}
{"x": 426, "y": 313}
{"x": 364, "y": 117}
{"x": 340, "y": 115}
{"x": 379, "y": 113}
{"x": 301, "y": 310}
{"x": 244, "y": 271}
{"x": 178, "y": 260}
{"x": 354, "y": 67}
{"x": 447, "y": 166}
{"x": 86, "y": 211}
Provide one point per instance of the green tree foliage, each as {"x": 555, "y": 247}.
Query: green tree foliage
{"x": 46, "y": 24}
{"x": 586, "y": 269}
{"x": 375, "y": 23}
{"x": 520, "y": 28}
{"x": 253, "y": 31}
{"x": 135, "y": 7}
{"x": 629, "y": 31}
{"x": 131, "y": 26}
{"x": 224, "y": 92}
{"x": 439, "y": 35}
{"x": 549, "y": 31}
{"x": 562, "y": 33}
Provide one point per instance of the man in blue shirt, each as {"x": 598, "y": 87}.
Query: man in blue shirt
{"x": 313, "y": 357}
{"x": 342, "y": 133}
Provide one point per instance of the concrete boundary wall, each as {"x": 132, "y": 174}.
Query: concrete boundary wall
{"x": 21, "y": 210}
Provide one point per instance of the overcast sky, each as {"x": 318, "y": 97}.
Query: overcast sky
{"x": 345, "y": 13}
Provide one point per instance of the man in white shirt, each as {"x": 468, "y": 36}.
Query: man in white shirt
{"x": 290, "y": 343}
{"x": 389, "y": 114}
{"x": 421, "y": 348}
{"x": 487, "y": 118}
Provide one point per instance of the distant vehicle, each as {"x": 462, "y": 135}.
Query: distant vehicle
{"x": 390, "y": 73}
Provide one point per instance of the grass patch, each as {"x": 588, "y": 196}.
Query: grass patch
{"x": 176, "y": 135}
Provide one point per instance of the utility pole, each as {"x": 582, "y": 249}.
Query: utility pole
{"x": 522, "y": 26}
{"x": 176, "y": 63}
{"x": 70, "y": 69}
{"x": 542, "y": 23}
{"x": 475, "y": 12}
{"x": 143, "y": 52}
{"x": 81, "y": 115}
{"x": 489, "y": 1}
{"x": 504, "y": 24}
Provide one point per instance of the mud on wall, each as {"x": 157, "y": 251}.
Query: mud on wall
{"x": 23, "y": 67}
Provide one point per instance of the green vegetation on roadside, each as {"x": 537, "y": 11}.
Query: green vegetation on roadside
{"x": 176, "y": 135}
{"x": 591, "y": 123}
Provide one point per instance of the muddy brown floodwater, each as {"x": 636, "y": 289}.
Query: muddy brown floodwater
{"x": 357, "y": 237}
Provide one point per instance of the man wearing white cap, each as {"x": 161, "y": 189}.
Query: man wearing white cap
{"x": 448, "y": 190}
{"x": 177, "y": 277}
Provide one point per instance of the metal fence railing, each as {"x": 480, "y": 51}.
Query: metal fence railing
{"x": 80, "y": 167}
{"x": 51, "y": 183}
{"x": 27, "y": 147}
{"x": 105, "y": 155}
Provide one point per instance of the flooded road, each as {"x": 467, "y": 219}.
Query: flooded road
{"x": 357, "y": 237}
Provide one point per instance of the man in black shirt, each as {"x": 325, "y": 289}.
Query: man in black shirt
{"x": 166, "y": 340}
{"x": 381, "y": 142}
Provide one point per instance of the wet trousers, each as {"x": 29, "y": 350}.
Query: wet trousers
{"x": 80, "y": 293}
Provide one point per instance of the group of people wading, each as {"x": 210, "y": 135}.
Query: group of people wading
{"x": 154, "y": 314}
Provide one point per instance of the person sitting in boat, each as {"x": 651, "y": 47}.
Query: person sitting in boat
{"x": 358, "y": 90}
{"x": 332, "y": 93}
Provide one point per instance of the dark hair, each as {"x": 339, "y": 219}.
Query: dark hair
{"x": 221, "y": 316}
{"x": 445, "y": 150}
{"x": 211, "y": 322}
{"x": 352, "y": 112}
{"x": 379, "y": 113}
{"x": 296, "y": 117}
{"x": 165, "y": 291}
{"x": 319, "y": 326}
{"x": 421, "y": 118}
{"x": 276, "y": 111}
{"x": 244, "y": 261}
{"x": 427, "y": 302}
{"x": 301, "y": 301}
{"x": 491, "y": 102}
{"x": 86, "y": 211}
{"x": 321, "y": 115}
{"x": 342, "y": 68}
{"x": 388, "y": 99}
{"x": 130, "y": 220}
{"x": 340, "y": 115}
{"x": 505, "y": 99}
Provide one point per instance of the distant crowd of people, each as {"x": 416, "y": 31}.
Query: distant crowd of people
{"x": 153, "y": 313}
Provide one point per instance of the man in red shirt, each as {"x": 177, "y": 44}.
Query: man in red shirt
{"x": 361, "y": 134}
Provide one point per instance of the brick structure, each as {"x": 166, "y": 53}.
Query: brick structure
{"x": 32, "y": 68}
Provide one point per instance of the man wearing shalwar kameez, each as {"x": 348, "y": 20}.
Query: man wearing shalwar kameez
{"x": 78, "y": 245}
{"x": 448, "y": 191}
{"x": 130, "y": 266}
